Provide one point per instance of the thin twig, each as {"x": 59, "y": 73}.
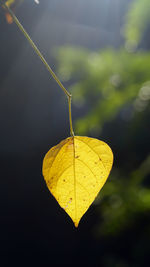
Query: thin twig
{"x": 69, "y": 96}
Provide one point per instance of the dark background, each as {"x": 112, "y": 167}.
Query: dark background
{"x": 34, "y": 230}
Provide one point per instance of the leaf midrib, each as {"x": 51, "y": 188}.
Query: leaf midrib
{"x": 75, "y": 196}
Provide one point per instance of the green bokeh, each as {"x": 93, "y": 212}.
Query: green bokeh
{"x": 111, "y": 88}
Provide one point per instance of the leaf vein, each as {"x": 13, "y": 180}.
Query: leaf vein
{"x": 92, "y": 150}
{"x": 88, "y": 168}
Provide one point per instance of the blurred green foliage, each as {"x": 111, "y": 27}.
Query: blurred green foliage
{"x": 111, "y": 84}
{"x": 124, "y": 200}
{"x": 137, "y": 21}
{"x": 106, "y": 82}
{"x": 111, "y": 88}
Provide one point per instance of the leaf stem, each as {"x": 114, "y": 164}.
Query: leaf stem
{"x": 70, "y": 116}
{"x": 69, "y": 96}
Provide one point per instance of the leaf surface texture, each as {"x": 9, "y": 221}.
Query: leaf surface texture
{"x": 75, "y": 170}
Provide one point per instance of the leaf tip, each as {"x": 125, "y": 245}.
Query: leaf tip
{"x": 76, "y": 224}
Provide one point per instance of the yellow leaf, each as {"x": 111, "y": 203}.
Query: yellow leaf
{"x": 75, "y": 170}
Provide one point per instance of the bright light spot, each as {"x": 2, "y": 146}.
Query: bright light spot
{"x": 115, "y": 80}
{"x": 144, "y": 93}
{"x": 140, "y": 105}
{"x": 36, "y": 1}
{"x": 141, "y": 102}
